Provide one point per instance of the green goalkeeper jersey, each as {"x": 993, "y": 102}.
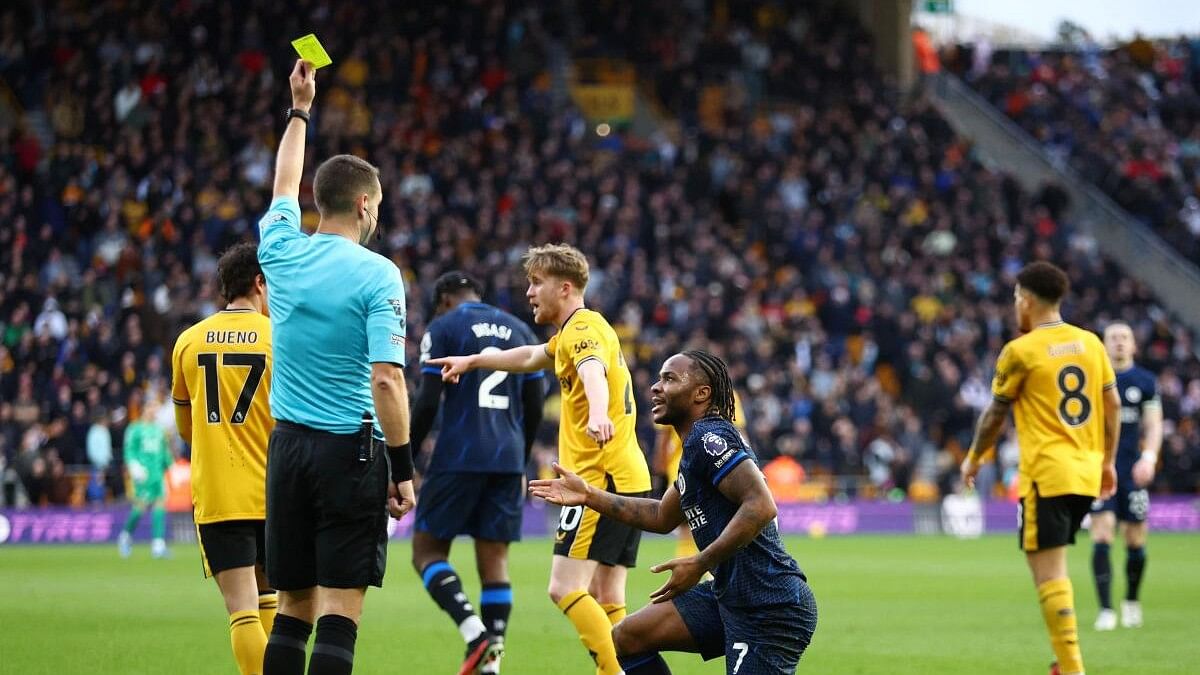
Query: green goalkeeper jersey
{"x": 146, "y": 445}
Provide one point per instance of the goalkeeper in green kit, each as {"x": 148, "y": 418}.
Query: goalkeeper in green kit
{"x": 147, "y": 457}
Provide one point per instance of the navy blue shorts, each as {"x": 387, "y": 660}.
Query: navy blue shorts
{"x": 755, "y": 640}
{"x": 1130, "y": 503}
{"x": 483, "y": 505}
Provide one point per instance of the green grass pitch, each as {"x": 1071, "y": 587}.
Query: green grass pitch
{"x": 894, "y": 604}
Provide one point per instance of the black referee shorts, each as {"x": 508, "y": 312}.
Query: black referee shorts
{"x": 326, "y": 511}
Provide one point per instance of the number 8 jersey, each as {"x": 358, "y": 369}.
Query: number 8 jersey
{"x": 1055, "y": 377}
{"x": 221, "y": 369}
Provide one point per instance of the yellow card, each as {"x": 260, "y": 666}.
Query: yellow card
{"x": 309, "y": 48}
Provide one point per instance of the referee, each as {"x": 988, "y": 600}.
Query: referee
{"x": 338, "y": 319}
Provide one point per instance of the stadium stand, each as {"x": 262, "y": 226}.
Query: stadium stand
{"x": 835, "y": 241}
{"x": 1126, "y": 119}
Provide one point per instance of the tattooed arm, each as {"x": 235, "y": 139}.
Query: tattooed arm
{"x": 987, "y": 431}
{"x": 651, "y": 515}
{"x": 991, "y": 423}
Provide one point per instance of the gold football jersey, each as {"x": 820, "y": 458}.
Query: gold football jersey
{"x": 221, "y": 369}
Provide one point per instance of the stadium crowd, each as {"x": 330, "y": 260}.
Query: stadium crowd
{"x": 1126, "y": 119}
{"x": 834, "y": 241}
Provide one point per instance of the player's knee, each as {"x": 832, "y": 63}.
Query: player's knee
{"x": 1135, "y": 537}
{"x": 423, "y": 557}
{"x": 1101, "y": 531}
{"x": 626, "y": 640}
{"x": 559, "y": 590}
{"x": 608, "y": 587}
{"x": 299, "y": 604}
{"x": 606, "y": 595}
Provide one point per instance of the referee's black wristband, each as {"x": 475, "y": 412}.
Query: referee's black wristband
{"x": 295, "y": 113}
{"x": 401, "y": 460}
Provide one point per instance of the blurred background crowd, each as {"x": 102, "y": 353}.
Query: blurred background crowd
{"x": 1125, "y": 118}
{"x": 829, "y": 235}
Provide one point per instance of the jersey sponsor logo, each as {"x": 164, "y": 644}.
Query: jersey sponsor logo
{"x": 581, "y": 326}
{"x": 695, "y": 517}
{"x": 231, "y": 337}
{"x": 1130, "y": 416}
{"x": 1133, "y": 395}
{"x": 585, "y": 345}
{"x": 714, "y": 444}
{"x": 274, "y": 218}
{"x": 565, "y": 384}
{"x": 482, "y": 330}
{"x": 397, "y": 306}
{"x": 681, "y": 484}
{"x": 397, "y": 340}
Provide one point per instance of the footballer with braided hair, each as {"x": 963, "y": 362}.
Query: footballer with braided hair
{"x": 758, "y": 611}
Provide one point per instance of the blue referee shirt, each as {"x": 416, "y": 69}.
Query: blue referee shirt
{"x": 336, "y": 308}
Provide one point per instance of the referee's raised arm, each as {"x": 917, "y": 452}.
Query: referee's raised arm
{"x": 289, "y": 163}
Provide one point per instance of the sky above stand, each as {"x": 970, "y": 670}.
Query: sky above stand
{"x": 1104, "y": 19}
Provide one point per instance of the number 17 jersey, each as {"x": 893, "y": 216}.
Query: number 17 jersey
{"x": 1055, "y": 376}
{"x": 221, "y": 368}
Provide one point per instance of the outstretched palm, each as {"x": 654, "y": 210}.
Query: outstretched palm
{"x": 567, "y": 490}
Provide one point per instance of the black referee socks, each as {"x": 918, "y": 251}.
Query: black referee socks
{"x": 285, "y": 647}
{"x": 333, "y": 652}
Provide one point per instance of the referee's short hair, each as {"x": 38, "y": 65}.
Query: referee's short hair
{"x": 237, "y": 271}
{"x": 340, "y": 180}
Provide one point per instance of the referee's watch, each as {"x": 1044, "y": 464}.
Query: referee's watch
{"x": 296, "y": 113}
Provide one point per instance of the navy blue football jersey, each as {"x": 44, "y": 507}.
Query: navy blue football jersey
{"x": 1139, "y": 392}
{"x": 760, "y": 574}
{"x": 481, "y": 415}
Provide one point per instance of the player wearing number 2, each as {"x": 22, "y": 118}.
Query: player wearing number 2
{"x": 596, "y": 440}
{"x": 1059, "y": 383}
{"x": 222, "y": 379}
{"x": 474, "y": 483}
